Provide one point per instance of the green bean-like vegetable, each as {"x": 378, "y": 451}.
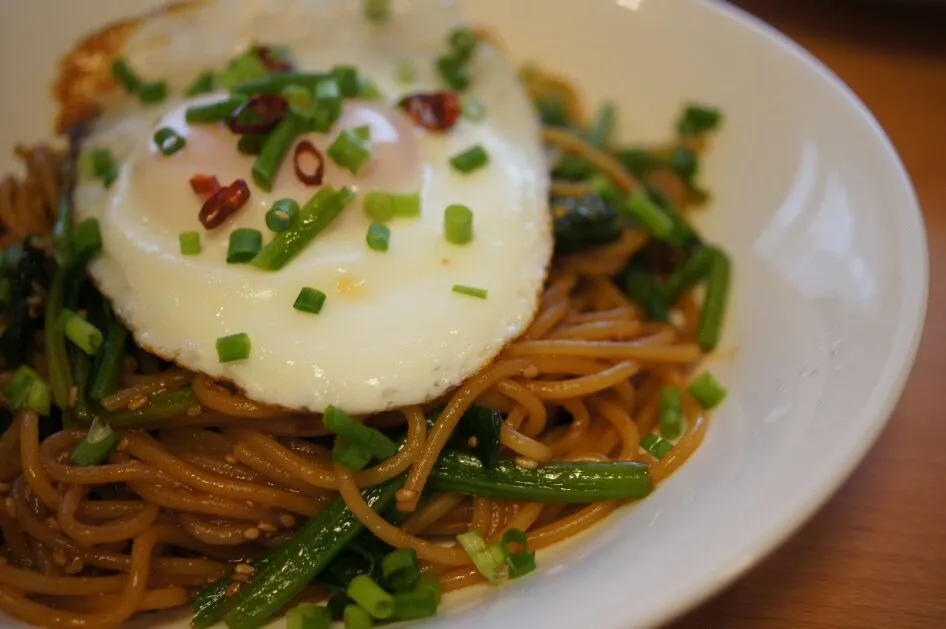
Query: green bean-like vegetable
{"x": 277, "y": 82}
{"x": 688, "y": 274}
{"x": 314, "y": 217}
{"x": 108, "y": 365}
{"x": 671, "y": 416}
{"x": 714, "y": 305}
{"x": 580, "y": 481}
{"x": 290, "y": 567}
{"x": 161, "y": 406}
{"x": 215, "y": 111}
{"x": 274, "y": 150}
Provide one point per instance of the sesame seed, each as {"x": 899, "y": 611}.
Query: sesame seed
{"x": 194, "y": 410}
{"x": 251, "y": 533}
{"x": 405, "y": 495}
{"x": 287, "y": 520}
{"x": 137, "y": 402}
{"x": 229, "y": 458}
{"x": 525, "y": 463}
{"x": 473, "y": 442}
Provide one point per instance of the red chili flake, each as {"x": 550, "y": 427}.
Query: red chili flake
{"x": 314, "y": 177}
{"x": 223, "y": 203}
{"x": 274, "y": 59}
{"x": 436, "y": 111}
{"x": 259, "y": 114}
{"x": 204, "y": 184}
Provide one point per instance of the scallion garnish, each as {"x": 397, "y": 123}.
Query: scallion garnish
{"x": 350, "y": 454}
{"x": 350, "y": 150}
{"x": 125, "y": 75}
{"x": 355, "y": 617}
{"x": 201, "y": 85}
{"x": 83, "y": 334}
{"x": 698, "y": 119}
{"x": 489, "y": 559}
{"x": 309, "y": 300}
{"x": 368, "y": 89}
{"x": 28, "y": 390}
{"x": 471, "y": 159}
{"x": 190, "y": 243}
{"x": 400, "y": 570}
{"x": 671, "y": 417}
{"x": 520, "y": 562}
{"x": 378, "y": 236}
{"x": 406, "y": 73}
{"x": 707, "y": 390}
{"x": 87, "y": 237}
{"x": 369, "y": 596}
{"x": 282, "y": 215}
{"x": 274, "y": 150}
{"x": 168, "y": 141}
{"x": 152, "y": 92}
{"x": 246, "y": 67}
{"x": 98, "y": 163}
{"x": 299, "y": 99}
{"x": 308, "y": 616}
{"x": 406, "y": 205}
{"x": 458, "y": 224}
{"x": 471, "y": 291}
{"x": 328, "y": 100}
{"x": 599, "y": 134}
{"x": 649, "y": 214}
{"x": 414, "y": 605}
{"x": 452, "y": 70}
{"x": 688, "y": 274}
{"x": 341, "y": 423}
{"x": 244, "y": 244}
{"x": 379, "y": 206}
{"x": 233, "y": 347}
{"x": 251, "y": 143}
{"x": 347, "y": 79}
{"x": 377, "y": 11}
{"x": 463, "y": 41}
{"x": 215, "y": 111}
{"x": 710, "y": 326}
{"x": 95, "y": 446}
{"x": 656, "y": 446}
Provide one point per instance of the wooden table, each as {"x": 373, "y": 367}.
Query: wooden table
{"x": 875, "y": 555}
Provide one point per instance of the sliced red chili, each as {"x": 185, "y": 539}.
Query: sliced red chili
{"x": 259, "y": 114}
{"x": 436, "y": 111}
{"x": 204, "y": 184}
{"x": 223, "y": 203}
{"x": 314, "y": 175}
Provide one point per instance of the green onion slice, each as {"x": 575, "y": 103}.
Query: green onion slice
{"x": 489, "y": 559}
{"x": 378, "y": 236}
{"x": 400, "y": 570}
{"x": 707, "y": 390}
{"x": 341, "y": 423}
{"x": 244, "y": 244}
{"x": 233, "y": 347}
{"x": 309, "y": 300}
{"x": 370, "y": 597}
{"x": 458, "y": 224}
{"x": 95, "y": 446}
{"x": 471, "y": 159}
{"x": 520, "y": 562}
{"x": 471, "y": 291}
{"x": 168, "y": 141}
{"x": 282, "y": 215}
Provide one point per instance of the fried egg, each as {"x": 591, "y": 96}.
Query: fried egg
{"x": 392, "y": 332}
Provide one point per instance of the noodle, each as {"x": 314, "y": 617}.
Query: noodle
{"x": 186, "y": 499}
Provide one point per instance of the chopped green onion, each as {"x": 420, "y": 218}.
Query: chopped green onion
{"x": 275, "y": 83}
{"x": 463, "y": 41}
{"x": 350, "y": 151}
{"x": 95, "y": 445}
{"x": 282, "y": 215}
{"x": 27, "y": 390}
{"x": 638, "y": 161}
{"x": 324, "y": 206}
{"x": 251, "y": 143}
{"x": 553, "y": 110}
{"x": 698, "y": 119}
{"x": 369, "y": 595}
{"x": 309, "y": 300}
{"x": 671, "y": 417}
{"x": 328, "y": 99}
{"x": 480, "y": 293}
{"x": 110, "y": 177}
{"x": 400, "y": 570}
{"x": 233, "y": 347}
{"x": 430, "y": 583}
{"x": 201, "y": 85}
{"x": 242, "y": 69}
{"x": 244, "y": 244}
{"x": 688, "y": 274}
{"x": 471, "y": 159}
{"x": 168, "y": 141}
{"x": 710, "y": 326}
{"x": 452, "y": 70}
{"x": 656, "y": 446}
{"x": 347, "y": 79}
{"x": 377, "y": 11}
{"x": 379, "y": 206}
{"x": 458, "y": 224}
{"x": 415, "y": 605}
{"x": 125, "y": 75}
{"x": 215, "y": 111}
{"x": 649, "y": 214}
{"x": 350, "y": 454}
{"x": 378, "y": 236}
{"x": 83, "y": 334}
{"x": 406, "y": 205}
{"x": 406, "y": 72}
{"x": 472, "y": 108}
{"x": 190, "y": 243}
{"x": 274, "y": 150}
{"x": 639, "y": 285}
{"x": 341, "y": 423}
{"x": 573, "y": 168}
{"x": 707, "y": 390}
{"x": 96, "y": 162}
{"x": 300, "y": 99}
{"x": 153, "y": 92}
{"x": 520, "y": 562}
{"x": 356, "y": 617}
{"x": 683, "y": 161}
{"x": 368, "y": 90}
{"x": 601, "y": 129}
{"x": 308, "y": 616}
{"x": 489, "y": 559}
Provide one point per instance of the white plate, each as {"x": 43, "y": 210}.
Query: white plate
{"x": 830, "y": 281}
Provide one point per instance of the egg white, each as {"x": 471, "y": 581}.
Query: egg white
{"x": 391, "y": 332}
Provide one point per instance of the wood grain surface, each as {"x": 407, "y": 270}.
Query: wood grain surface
{"x": 875, "y": 555}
